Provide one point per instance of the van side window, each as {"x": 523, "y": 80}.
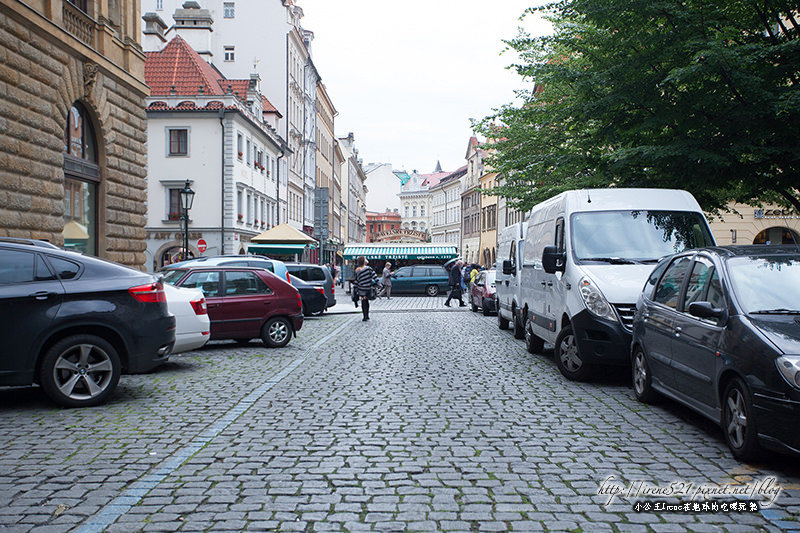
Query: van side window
{"x": 512, "y": 255}
{"x": 559, "y": 235}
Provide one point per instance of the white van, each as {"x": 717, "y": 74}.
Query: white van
{"x": 510, "y": 244}
{"x": 587, "y": 255}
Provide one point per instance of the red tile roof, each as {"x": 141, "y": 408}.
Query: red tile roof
{"x": 178, "y": 69}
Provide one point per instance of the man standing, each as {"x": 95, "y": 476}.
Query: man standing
{"x": 454, "y": 279}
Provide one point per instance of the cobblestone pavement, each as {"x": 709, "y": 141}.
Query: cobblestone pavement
{"x": 425, "y": 420}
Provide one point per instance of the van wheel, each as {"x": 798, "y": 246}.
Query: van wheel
{"x": 502, "y": 323}
{"x": 739, "y": 421}
{"x": 568, "y": 357}
{"x": 519, "y": 329}
{"x": 533, "y": 343}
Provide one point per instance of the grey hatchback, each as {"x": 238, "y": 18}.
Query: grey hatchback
{"x": 718, "y": 330}
{"x": 318, "y": 275}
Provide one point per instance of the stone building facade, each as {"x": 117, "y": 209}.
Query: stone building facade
{"x": 72, "y": 141}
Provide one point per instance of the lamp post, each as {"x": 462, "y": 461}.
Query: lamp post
{"x": 187, "y": 197}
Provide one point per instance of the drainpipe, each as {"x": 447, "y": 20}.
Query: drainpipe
{"x": 221, "y": 116}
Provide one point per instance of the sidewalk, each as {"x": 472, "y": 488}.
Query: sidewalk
{"x": 397, "y": 303}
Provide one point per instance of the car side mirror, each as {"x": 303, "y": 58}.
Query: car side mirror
{"x": 552, "y": 260}
{"x": 705, "y": 310}
{"x": 508, "y": 268}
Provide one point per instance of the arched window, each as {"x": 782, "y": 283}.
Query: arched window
{"x": 777, "y": 235}
{"x": 81, "y": 180}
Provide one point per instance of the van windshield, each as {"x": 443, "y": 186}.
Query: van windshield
{"x": 636, "y": 236}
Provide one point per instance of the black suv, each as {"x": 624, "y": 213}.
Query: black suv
{"x": 74, "y": 323}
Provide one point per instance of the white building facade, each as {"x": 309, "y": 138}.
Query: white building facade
{"x": 220, "y": 138}
{"x": 446, "y": 209}
{"x": 416, "y": 201}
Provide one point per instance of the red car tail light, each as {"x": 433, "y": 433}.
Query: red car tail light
{"x": 199, "y": 306}
{"x": 299, "y": 301}
{"x": 150, "y": 293}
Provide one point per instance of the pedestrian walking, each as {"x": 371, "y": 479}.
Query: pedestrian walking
{"x": 455, "y": 279}
{"x": 365, "y": 280}
{"x": 387, "y": 280}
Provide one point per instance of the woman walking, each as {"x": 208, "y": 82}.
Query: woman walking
{"x": 364, "y": 280}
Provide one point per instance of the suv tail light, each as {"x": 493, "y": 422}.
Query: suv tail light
{"x": 150, "y": 293}
{"x": 199, "y": 306}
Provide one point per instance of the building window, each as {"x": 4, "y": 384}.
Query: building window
{"x": 81, "y": 180}
{"x": 239, "y": 146}
{"x": 249, "y": 152}
{"x": 422, "y": 210}
{"x": 178, "y": 142}
{"x": 229, "y": 10}
{"x": 230, "y": 53}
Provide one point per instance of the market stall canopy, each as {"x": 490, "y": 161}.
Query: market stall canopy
{"x": 400, "y": 251}
{"x": 284, "y": 233}
{"x": 283, "y": 239}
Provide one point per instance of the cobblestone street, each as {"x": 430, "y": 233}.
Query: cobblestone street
{"x": 422, "y": 419}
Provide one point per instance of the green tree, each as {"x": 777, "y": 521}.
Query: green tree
{"x": 702, "y": 95}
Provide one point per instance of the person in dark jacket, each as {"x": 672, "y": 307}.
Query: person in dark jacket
{"x": 365, "y": 279}
{"x": 454, "y": 279}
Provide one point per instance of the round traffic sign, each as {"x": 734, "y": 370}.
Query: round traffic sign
{"x": 202, "y": 246}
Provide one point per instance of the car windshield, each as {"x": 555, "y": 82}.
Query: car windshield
{"x": 766, "y": 285}
{"x": 172, "y": 275}
{"x": 636, "y": 236}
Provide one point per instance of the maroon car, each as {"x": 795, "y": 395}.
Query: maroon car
{"x": 244, "y": 302}
{"x": 482, "y": 292}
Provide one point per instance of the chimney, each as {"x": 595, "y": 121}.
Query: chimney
{"x": 154, "y": 28}
{"x": 194, "y": 25}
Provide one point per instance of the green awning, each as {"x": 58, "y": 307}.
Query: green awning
{"x": 400, "y": 251}
{"x": 277, "y": 248}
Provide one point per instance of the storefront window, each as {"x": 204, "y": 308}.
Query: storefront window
{"x": 81, "y": 179}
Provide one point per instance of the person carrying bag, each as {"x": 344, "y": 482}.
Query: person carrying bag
{"x": 365, "y": 282}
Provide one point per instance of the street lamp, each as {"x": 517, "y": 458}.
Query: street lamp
{"x": 187, "y": 197}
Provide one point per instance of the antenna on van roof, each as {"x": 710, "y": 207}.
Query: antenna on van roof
{"x": 588, "y": 197}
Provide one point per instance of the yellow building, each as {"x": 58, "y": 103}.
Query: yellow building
{"x": 757, "y": 225}
{"x": 488, "y": 246}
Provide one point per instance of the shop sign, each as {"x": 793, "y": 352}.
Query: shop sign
{"x": 774, "y": 213}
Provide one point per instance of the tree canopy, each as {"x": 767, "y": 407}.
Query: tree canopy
{"x": 702, "y": 95}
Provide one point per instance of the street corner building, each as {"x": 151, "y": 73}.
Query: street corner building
{"x": 72, "y": 141}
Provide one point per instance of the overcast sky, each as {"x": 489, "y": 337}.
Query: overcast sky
{"x": 406, "y": 76}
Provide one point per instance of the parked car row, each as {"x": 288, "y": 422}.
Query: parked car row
{"x": 634, "y": 279}
{"x": 73, "y": 323}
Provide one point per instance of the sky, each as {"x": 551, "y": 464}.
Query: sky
{"x": 406, "y": 76}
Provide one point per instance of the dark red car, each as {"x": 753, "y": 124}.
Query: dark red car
{"x": 244, "y": 302}
{"x": 482, "y": 292}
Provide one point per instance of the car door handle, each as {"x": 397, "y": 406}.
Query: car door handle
{"x": 547, "y": 284}
{"x": 209, "y": 306}
{"x": 42, "y": 295}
